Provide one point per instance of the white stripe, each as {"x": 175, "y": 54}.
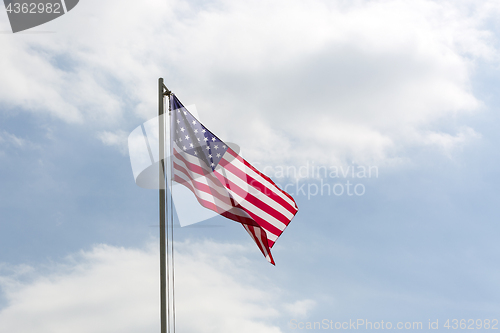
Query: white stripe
{"x": 192, "y": 159}
{"x": 255, "y": 238}
{"x": 272, "y": 237}
{"x": 212, "y": 183}
{"x": 241, "y": 166}
{"x": 258, "y": 194}
{"x": 223, "y": 205}
{"x": 259, "y": 238}
{"x": 259, "y": 212}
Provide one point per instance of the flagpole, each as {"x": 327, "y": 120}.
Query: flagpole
{"x": 163, "y": 268}
{"x": 164, "y": 298}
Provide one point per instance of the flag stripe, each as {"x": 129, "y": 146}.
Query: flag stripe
{"x": 252, "y": 231}
{"x": 193, "y": 164}
{"x": 235, "y": 214}
{"x": 205, "y": 203}
{"x": 258, "y": 190}
{"x": 209, "y": 186}
{"x": 203, "y": 192}
{"x": 255, "y": 205}
{"x": 256, "y": 174}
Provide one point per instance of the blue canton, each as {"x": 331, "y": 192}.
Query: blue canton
{"x": 193, "y": 138}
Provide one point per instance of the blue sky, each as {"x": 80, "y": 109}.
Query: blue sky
{"x": 408, "y": 87}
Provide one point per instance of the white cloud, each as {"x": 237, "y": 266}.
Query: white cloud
{"x": 12, "y": 140}
{"x": 111, "y": 289}
{"x": 447, "y": 143}
{"x": 300, "y": 309}
{"x": 335, "y": 81}
{"x": 117, "y": 139}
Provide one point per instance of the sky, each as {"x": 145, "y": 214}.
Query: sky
{"x": 379, "y": 117}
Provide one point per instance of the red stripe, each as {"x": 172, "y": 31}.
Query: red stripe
{"x": 207, "y": 189}
{"x": 253, "y": 199}
{"x": 239, "y": 158}
{"x": 239, "y": 218}
{"x": 193, "y": 167}
{"x": 263, "y": 223}
{"x": 190, "y": 167}
{"x": 251, "y": 231}
{"x": 203, "y": 187}
{"x": 267, "y": 191}
{"x": 217, "y": 209}
{"x": 203, "y": 202}
{"x": 265, "y": 251}
{"x": 258, "y": 203}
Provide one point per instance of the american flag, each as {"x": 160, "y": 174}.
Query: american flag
{"x": 224, "y": 182}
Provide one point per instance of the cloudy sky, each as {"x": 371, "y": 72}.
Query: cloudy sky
{"x": 396, "y": 100}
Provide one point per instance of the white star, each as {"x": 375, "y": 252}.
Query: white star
{"x": 185, "y": 112}
{"x": 194, "y": 122}
{"x": 216, "y": 147}
{"x": 224, "y": 147}
{"x": 210, "y": 156}
{"x": 195, "y": 153}
{"x": 191, "y": 145}
{"x": 203, "y": 131}
{"x": 208, "y": 147}
{"x": 184, "y": 148}
{"x": 178, "y": 121}
{"x": 196, "y": 131}
{"x": 212, "y": 164}
{"x": 205, "y": 139}
{"x": 182, "y": 129}
{"x": 187, "y": 137}
{"x": 213, "y": 139}
{"x": 198, "y": 139}
{"x": 218, "y": 155}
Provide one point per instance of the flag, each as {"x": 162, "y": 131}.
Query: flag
{"x": 224, "y": 182}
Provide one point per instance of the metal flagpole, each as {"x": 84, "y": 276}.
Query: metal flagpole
{"x": 163, "y": 268}
{"x": 164, "y": 277}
